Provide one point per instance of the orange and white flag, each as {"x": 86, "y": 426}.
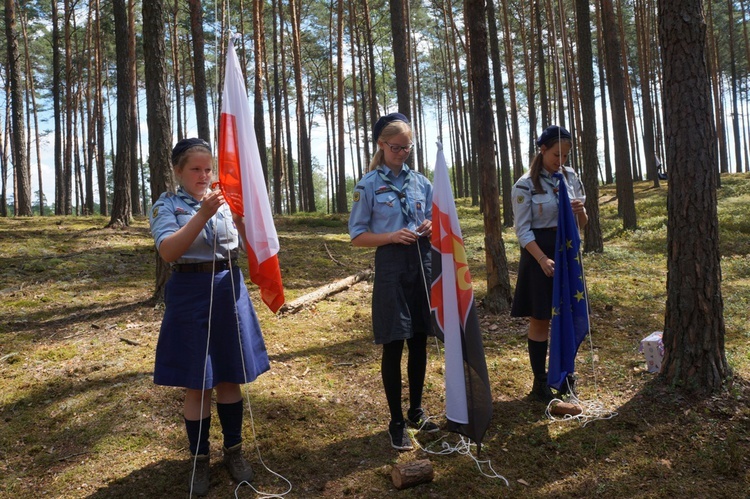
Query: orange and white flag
{"x": 242, "y": 182}
{"x": 468, "y": 400}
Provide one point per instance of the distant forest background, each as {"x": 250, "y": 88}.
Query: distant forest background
{"x": 79, "y": 78}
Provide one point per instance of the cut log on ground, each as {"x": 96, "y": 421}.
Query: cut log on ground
{"x": 324, "y": 292}
{"x": 565, "y": 408}
{"x": 405, "y": 475}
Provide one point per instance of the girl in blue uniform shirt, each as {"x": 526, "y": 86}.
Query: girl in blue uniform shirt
{"x": 535, "y": 207}
{"x": 195, "y": 231}
{"x": 391, "y": 210}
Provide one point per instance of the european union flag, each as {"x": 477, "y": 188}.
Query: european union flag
{"x": 570, "y": 318}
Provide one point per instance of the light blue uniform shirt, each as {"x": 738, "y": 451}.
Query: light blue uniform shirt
{"x": 170, "y": 212}
{"x": 376, "y": 207}
{"x": 538, "y": 210}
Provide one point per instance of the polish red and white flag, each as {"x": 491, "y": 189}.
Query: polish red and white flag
{"x": 243, "y": 184}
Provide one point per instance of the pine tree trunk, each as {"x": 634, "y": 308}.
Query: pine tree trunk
{"x": 157, "y": 115}
{"x": 258, "y": 54}
{"x": 694, "y": 358}
{"x": 615, "y": 77}
{"x": 498, "y": 296}
{"x": 121, "y": 213}
{"x": 588, "y": 138}
{"x": 502, "y": 115}
{"x": 18, "y": 147}
{"x": 199, "y": 70}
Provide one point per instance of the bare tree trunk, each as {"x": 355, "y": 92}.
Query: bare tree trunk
{"x": 502, "y": 116}
{"x": 157, "y": 115}
{"x": 400, "y": 55}
{"x": 199, "y": 70}
{"x": 101, "y": 171}
{"x": 643, "y": 36}
{"x": 498, "y": 296}
{"x": 258, "y": 55}
{"x": 588, "y": 137}
{"x": 543, "y": 101}
{"x": 515, "y": 138}
{"x": 307, "y": 192}
{"x": 121, "y": 214}
{"x": 601, "y": 51}
{"x": 694, "y": 358}
{"x": 18, "y": 148}
{"x": 69, "y": 110}
{"x": 733, "y": 76}
{"x": 291, "y": 188}
{"x": 277, "y": 156}
{"x": 341, "y": 200}
{"x": 32, "y": 94}
{"x": 625, "y": 198}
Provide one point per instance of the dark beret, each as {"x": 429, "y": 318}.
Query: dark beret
{"x": 383, "y": 122}
{"x": 182, "y": 146}
{"x": 553, "y": 132}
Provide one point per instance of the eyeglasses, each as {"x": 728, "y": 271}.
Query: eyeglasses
{"x": 397, "y": 149}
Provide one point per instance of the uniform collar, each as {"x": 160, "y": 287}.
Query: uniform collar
{"x": 387, "y": 171}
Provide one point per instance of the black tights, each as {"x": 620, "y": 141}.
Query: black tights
{"x": 390, "y": 368}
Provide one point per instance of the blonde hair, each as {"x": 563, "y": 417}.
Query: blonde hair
{"x": 391, "y": 130}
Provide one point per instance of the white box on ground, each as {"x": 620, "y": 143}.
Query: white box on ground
{"x": 653, "y": 349}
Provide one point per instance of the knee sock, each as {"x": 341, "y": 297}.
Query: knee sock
{"x": 197, "y": 433}
{"x": 390, "y": 370}
{"x": 230, "y": 416}
{"x": 415, "y": 369}
{"x": 538, "y": 358}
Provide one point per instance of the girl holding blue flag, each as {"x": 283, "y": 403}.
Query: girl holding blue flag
{"x": 210, "y": 339}
{"x": 535, "y": 211}
{"x": 391, "y": 210}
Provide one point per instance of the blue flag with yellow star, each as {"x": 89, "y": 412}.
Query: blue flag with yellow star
{"x": 570, "y": 318}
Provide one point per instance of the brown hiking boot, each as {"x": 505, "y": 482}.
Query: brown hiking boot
{"x": 236, "y": 464}
{"x": 199, "y": 479}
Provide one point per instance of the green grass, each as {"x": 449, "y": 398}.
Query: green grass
{"x": 82, "y": 418}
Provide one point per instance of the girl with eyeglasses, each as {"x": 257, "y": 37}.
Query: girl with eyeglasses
{"x": 392, "y": 210}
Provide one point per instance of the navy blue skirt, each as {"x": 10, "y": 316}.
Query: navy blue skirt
{"x": 236, "y": 352}
{"x": 533, "y": 296}
{"x": 400, "y": 306}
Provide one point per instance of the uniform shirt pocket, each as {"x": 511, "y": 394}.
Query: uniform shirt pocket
{"x": 540, "y": 199}
{"x": 387, "y": 203}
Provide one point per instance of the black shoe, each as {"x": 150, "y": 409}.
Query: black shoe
{"x": 417, "y": 419}
{"x": 541, "y": 392}
{"x": 399, "y": 436}
{"x": 200, "y": 480}
{"x": 236, "y": 464}
{"x": 568, "y": 386}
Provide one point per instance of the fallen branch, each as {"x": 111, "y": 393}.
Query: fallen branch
{"x": 130, "y": 342}
{"x": 324, "y": 292}
{"x": 331, "y": 256}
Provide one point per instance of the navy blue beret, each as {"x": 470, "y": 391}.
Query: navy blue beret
{"x": 185, "y": 144}
{"x": 383, "y": 122}
{"x": 552, "y": 132}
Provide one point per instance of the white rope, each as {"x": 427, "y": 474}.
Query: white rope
{"x": 247, "y": 396}
{"x": 205, "y": 366}
{"x": 462, "y": 447}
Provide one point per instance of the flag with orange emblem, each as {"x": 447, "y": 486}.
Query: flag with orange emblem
{"x": 243, "y": 185}
{"x": 468, "y": 400}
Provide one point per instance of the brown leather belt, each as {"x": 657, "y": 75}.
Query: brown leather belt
{"x": 217, "y": 266}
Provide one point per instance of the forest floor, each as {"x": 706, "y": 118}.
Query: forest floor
{"x": 81, "y": 416}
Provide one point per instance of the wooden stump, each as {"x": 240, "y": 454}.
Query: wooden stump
{"x": 565, "y": 408}
{"x": 405, "y": 475}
